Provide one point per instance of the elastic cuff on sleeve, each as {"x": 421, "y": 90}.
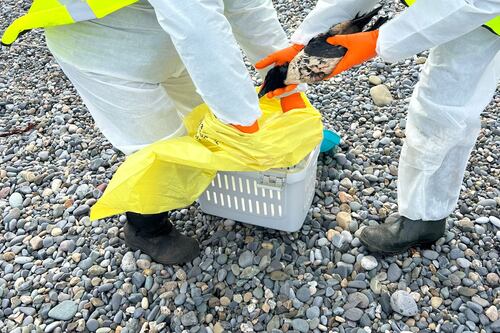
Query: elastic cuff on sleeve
{"x": 301, "y": 39}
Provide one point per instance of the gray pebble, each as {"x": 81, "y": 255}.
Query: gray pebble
{"x": 246, "y": 259}
{"x": 300, "y": 325}
{"x": 403, "y": 303}
{"x": 189, "y": 319}
{"x": 16, "y": 200}
{"x": 394, "y": 272}
{"x": 353, "y": 314}
{"x": 92, "y": 325}
{"x": 303, "y": 294}
{"x": 64, "y": 310}
{"x": 312, "y": 312}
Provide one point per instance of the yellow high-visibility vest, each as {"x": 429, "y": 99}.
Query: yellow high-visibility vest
{"x": 492, "y": 25}
{"x": 47, "y": 13}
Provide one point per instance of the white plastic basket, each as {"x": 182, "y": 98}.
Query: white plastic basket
{"x": 277, "y": 199}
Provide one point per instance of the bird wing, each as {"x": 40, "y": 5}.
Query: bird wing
{"x": 319, "y": 47}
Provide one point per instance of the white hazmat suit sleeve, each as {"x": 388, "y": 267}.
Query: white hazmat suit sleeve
{"x": 203, "y": 38}
{"x": 326, "y": 14}
{"x": 256, "y": 27}
{"x": 429, "y": 23}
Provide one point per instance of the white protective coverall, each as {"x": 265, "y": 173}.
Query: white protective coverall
{"x": 140, "y": 69}
{"x": 456, "y": 84}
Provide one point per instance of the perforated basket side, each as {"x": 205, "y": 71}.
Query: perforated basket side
{"x": 242, "y": 196}
{"x": 240, "y": 192}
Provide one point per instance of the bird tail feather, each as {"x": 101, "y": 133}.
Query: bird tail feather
{"x": 361, "y": 20}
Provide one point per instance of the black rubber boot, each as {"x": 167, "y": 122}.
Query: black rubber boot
{"x": 400, "y": 235}
{"x": 156, "y": 236}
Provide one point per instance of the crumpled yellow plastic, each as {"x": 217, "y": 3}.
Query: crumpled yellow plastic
{"x": 173, "y": 173}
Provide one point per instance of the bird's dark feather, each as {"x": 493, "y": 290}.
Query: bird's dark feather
{"x": 378, "y": 23}
{"x": 361, "y": 21}
{"x": 319, "y": 47}
{"x": 275, "y": 79}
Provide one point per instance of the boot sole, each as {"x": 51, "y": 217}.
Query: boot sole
{"x": 167, "y": 262}
{"x": 375, "y": 249}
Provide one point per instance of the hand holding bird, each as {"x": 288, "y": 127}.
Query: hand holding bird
{"x": 360, "y": 48}
{"x": 343, "y": 46}
{"x": 280, "y": 58}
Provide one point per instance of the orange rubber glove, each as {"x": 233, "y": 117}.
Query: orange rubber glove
{"x": 293, "y": 101}
{"x": 279, "y": 58}
{"x": 248, "y": 129}
{"x": 281, "y": 91}
{"x": 360, "y": 48}
{"x": 290, "y": 102}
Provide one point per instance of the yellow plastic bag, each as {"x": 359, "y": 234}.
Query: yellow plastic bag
{"x": 173, "y": 173}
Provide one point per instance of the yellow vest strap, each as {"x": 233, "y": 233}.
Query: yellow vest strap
{"x": 48, "y": 13}
{"x": 39, "y": 19}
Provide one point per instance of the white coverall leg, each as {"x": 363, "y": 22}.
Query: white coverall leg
{"x": 142, "y": 68}
{"x": 457, "y": 83}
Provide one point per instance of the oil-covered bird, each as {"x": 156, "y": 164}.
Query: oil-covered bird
{"x": 318, "y": 58}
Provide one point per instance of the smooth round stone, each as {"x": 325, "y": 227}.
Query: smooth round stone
{"x": 369, "y": 263}
{"x": 67, "y": 246}
{"x": 466, "y": 291}
{"x": 375, "y": 80}
{"x": 360, "y": 299}
{"x": 381, "y": 95}
{"x": 436, "y": 302}
{"x": 493, "y": 279}
{"x": 348, "y": 258}
{"x": 103, "y": 330}
{"x": 358, "y": 284}
{"x": 128, "y": 262}
{"x": 222, "y": 259}
{"x": 464, "y": 263}
{"x": 14, "y": 214}
{"x": 246, "y": 259}
{"x": 482, "y": 220}
{"x": 312, "y": 312}
{"x": 44, "y": 155}
{"x": 456, "y": 253}
{"x": 221, "y": 274}
{"x": 430, "y": 254}
{"x": 495, "y": 221}
{"x": 394, "y": 272}
{"x": 116, "y": 300}
{"x": 300, "y": 325}
{"x": 16, "y": 200}
{"x": 92, "y": 325}
{"x": 303, "y": 294}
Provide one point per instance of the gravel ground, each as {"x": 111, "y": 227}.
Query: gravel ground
{"x": 60, "y": 272}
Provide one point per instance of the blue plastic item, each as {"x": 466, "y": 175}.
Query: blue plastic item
{"x": 330, "y": 140}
